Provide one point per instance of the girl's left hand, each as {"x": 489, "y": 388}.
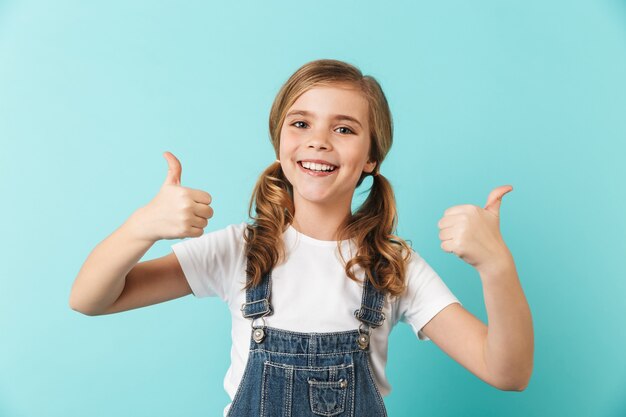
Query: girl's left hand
{"x": 473, "y": 233}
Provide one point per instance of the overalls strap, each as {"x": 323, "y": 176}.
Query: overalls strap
{"x": 372, "y": 301}
{"x": 258, "y": 299}
{"x": 371, "y": 312}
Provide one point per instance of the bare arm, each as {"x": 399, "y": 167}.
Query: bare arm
{"x": 509, "y": 345}
{"x": 500, "y": 354}
{"x": 102, "y": 276}
{"x": 151, "y": 282}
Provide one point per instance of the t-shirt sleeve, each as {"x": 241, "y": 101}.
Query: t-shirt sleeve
{"x": 426, "y": 295}
{"x": 211, "y": 261}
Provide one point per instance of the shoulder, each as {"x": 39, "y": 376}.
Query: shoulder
{"x": 226, "y": 239}
{"x": 235, "y": 228}
{"x": 416, "y": 262}
{"x": 422, "y": 282}
{"x": 212, "y": 261}
{"x": 233, "y": 235}
{"x": 234, "y": 232}
{"x": 422, "y": 277}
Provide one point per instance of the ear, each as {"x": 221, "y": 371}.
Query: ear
{"x": 369, "y": 166}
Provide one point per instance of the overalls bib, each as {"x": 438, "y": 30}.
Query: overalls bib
{"x": 293, "y": 374}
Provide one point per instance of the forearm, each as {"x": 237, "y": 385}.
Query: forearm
{"x": 102, "y": 276}
{"x": 509, "y": 344}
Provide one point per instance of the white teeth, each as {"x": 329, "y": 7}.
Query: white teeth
{"x": 317, "y": 167}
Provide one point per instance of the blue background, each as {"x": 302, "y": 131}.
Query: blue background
{"x": 483, "y": 93}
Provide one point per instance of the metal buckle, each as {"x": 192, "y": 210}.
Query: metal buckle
{"x": 364, "y": 338}
{"x": 358, "y": 311}
{"x": 268, "y": 308}
{"x": 258, "y": 334}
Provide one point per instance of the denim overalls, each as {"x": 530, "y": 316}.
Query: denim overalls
{"x": 292, "y": 374}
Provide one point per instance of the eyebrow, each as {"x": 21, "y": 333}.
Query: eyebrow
{"x": 335, "y": 117}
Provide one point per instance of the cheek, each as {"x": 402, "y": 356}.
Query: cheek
{"x": 354, "y": 157}
{"x": 282, "y": 151}
{"x": 287, "y": 146}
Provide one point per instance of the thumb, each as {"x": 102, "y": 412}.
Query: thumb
{"x": 174, "y": 171}
{"x": 495, "y": 198}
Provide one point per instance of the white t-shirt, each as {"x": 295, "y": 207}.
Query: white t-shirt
{"x": 310, "y": 293}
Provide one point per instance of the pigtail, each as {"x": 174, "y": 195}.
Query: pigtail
{"x": 373, "y": 226}
{"x": 273, "y": 204}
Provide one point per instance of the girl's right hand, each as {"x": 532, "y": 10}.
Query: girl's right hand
{"x": 176, "y": 212}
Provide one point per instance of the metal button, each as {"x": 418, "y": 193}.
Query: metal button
{"x": 258, "y": 335}
{"x": 363, "y": 340}
{"x": 343, "y": 383}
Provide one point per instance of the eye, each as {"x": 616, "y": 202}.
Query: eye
{"x": 304, "y": 124}
{"x": 299, "y": 121}
{"x": 348, "y": 129}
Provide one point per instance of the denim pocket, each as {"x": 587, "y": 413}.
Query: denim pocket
{"x": 328, "y": 398}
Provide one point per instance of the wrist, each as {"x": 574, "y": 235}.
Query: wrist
{"x": 498, "y": 266}
{"x": 135, "y": 225}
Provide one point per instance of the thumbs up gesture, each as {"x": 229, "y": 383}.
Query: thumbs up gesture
{"x": 176, "y": 211}
{"x": 473, "y": 233}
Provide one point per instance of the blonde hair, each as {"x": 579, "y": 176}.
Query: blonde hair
{"x": 371, "y": 226}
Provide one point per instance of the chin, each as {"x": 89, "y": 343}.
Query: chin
{"x": 315, "y": 197}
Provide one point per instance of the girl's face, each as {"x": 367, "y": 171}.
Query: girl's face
{"x": 325, "y": 144}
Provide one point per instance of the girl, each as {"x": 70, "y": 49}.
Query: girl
{"x": 314, "y": 289}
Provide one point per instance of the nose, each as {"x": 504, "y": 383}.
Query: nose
{"x": 319, "y": 140}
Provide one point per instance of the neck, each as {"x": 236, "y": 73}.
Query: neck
{"x": 320, "y": 221}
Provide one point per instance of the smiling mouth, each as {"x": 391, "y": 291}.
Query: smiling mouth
{"x": 313, "y": 167}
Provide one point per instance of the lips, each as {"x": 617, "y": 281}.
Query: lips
{"x": 317, "y": 168}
